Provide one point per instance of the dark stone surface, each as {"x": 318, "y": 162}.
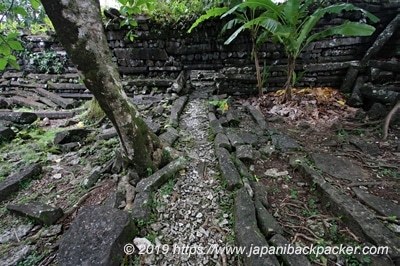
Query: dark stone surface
{"x": 248, "y": 138}
{"x": 222, "y": 141}
{"x": 176, "y": 110}
{"x": 19, "y": 117}
{"x": 232, "y": 117}
{"x": 96, "y": 237}
{"x": 17, "y": 255}
{"x": 368, "y": 148}
{"x": 234, "y": 138}
{"x": 383, "y": 207}
{"x": 338, "y": 167}
{"x": 216, "y": 126}
{"x": 242, "y": 168}
{"x": 349, "y": 79}
{"x": 358, "y": 217}
{"x": 228, "y": 169}
{"x": 92, "y": 178}
{"x": 289, "y": 259}
{"x": 15, "y": 234}
{"x": 244, "y": 152}
{"x": 4, "y": 104}
{"x": 266, "y": 222}
{"x": 247, "y": 233}
{"x": 141, "y": 210}
{"x": 71, "y": 136}
{"x": 11, "y": 184}
{"x": 161, "y": 176}
{"x": 260, "y": 193}
{"x": 6, "y": 134}
{"x": 40, "y": 212}
{"x": 170, "y": 136}
{"x": 284, "y": 143}
{"x": 115, "y": 200}
{"x": 258, "y": 116}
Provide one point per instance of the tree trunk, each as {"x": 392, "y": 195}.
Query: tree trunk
{"x": 258, "y": 70}
{"x": 80, "y": 30}
{"x": 288, "y": 85}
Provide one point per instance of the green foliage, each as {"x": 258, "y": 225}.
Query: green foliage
{"x": 13, "y": 13}
{"x": 130, "y": 8}
{"x": 174, "y": 10}
{"x": 222, "y": 104}
{"x": 253, "y": 16}
{"x": 292, "y": 25}
{"x": 47, "y": 62}
{"x": 8, "y": 44}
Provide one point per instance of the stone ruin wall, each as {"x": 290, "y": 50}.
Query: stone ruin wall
{"x": 165, "y": 51}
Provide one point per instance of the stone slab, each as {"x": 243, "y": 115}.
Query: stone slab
{"x": 157, "y": 179}
{"x": 234, "y": 138}
{"x": 228, "y": 169}
{"x": 141, "y": 210}
{"x": 216, "y": 126}
{"x": 381, "y": 206}
{"x": 358, "y": 217}
{"x": 11, "y": 184}
{"x": 289, "y": 259}
{"x": 222, "y": 141}
{"x": 247, "y": 233}
{"x": 40, "y": 212}
{"x": 338, "y": 167}
{"x": 170, "y": 136}
{"x": 258, "y": 116}
{"x": 6, "y": 133}
{"x": 244, "y": 152}
{"x": 176, "y": 110}
{"x": 97, "y": 237}
{"x": 266, "y": 222}
{"x": 284, "y": 143}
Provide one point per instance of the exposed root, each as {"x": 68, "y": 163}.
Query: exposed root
{"x": 388, "y": 119}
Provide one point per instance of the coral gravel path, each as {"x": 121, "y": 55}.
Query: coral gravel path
{"x": 195, "y": 218}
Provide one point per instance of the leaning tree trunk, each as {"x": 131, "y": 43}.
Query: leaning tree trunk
{"x": 288, "y": 85}
{"x": 80, "y": 30}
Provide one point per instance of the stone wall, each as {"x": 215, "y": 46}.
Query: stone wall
{"x": 164, "y": 51}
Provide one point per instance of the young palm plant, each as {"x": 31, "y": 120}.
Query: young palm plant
{"x": 295, "y": 28}
{"x": 253, "y": 16}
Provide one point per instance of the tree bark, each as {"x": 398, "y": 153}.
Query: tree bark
{"x": 388, "y": 118}
{"x": 80, "y": 30}
{"x": 288, "y": 85}
{"x": 258, "y": 70}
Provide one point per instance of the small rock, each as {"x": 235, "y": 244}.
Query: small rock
{"x": 244, "y": 152}
{"x": 274, "y": 172}
{"x": 6, "y": 133}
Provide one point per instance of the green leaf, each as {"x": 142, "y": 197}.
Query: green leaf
{"x": 12, "y": 35}
{"x": 35, "y": 4}
{"x": 16, "y": 45}
{"x": 214, "y": 12}
{"x": 234, "y": 35}
{"x": 20, "y": 11}
{"x": 3, "y": 63}
{"x": 348, "y": 28}
{"x": 291, "y": 11}
{"x": 13, "y": 63}
{"x": 5, "y": 49}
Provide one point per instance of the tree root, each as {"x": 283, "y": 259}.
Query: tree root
{"x": 388, "y": 119}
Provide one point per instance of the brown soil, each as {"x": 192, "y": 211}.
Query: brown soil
{"x": 319, "y": 121}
